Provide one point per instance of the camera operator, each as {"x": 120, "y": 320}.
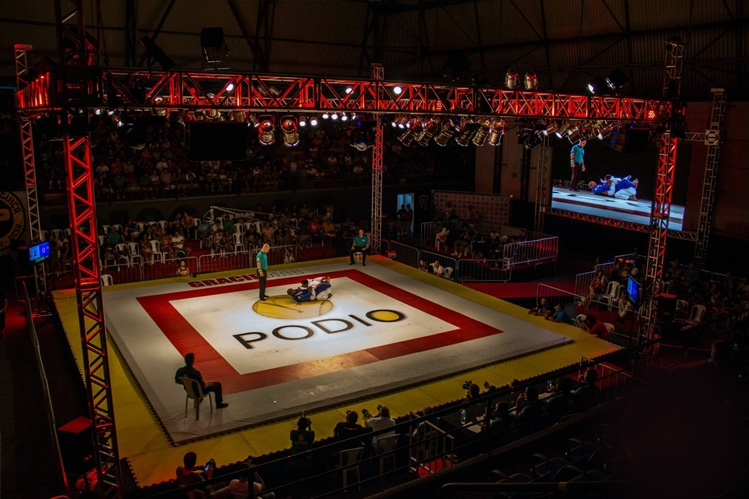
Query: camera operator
{"x": 191, "y": 473}
{"x": 379, "y": 422}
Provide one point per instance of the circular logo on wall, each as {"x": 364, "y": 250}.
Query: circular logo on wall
{"x": 12, "y": 220}
{"x": 284, "y": 307}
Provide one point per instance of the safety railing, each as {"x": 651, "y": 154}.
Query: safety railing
{"x": 224, "y": 261}
{"x": 584, "y": 280}
{"x": 533, "y": 252}
{"x": 121, "y": 274}
{"x": 555, "y": 296}
{"x": 445, "y": 261}
{"x": 402, "y": 252}
{"x": 483, "y": 270}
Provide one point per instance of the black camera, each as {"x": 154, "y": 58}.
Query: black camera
{"x": 467, "y": 385}
{"x": 366, "y": 413}
{"x": 379, "y": 407}
{"x": 489, "y": 386}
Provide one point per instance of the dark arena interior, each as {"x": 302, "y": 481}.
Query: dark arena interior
{"x": 460, "y": 249}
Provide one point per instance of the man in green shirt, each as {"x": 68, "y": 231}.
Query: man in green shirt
{"x": 361, "y": 244}
{"x": 262, "y": 269}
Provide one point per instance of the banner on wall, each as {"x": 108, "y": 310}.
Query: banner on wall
{"x": 12, "y": 219}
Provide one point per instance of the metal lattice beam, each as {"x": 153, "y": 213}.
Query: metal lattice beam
{"x": 85, "y": 249}
{"x": 543, "y": 179}
{"x": 712, "y": 135}
{"x": 377, "y": 73}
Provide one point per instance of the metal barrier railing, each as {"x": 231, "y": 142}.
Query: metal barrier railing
{"x": 483, "y": 270}
{"x": 538, "y": 252}
{"x": 123, "y": 273}
{"x": 583, "y": 280}
{"x": 445, "y": 261}
{"x": 404, "y": 253}
{"x": 222, "y": 262}
{"x": 556, "y": 296}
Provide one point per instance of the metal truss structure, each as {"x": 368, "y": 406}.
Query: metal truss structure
{"x": 375, "y": 227}
{"x": 620, "y": 224}
{"x": 543, "y": 181}
{"x": 712, "y": 140}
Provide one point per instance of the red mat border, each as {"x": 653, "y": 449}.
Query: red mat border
{"x": 215, "y": 368}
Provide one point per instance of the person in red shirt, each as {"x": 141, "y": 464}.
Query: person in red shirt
{"x": 596, "y": 327}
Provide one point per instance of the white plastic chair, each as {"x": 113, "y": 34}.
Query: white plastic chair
{"x": 348, "y": 462}
{"x": 386, "y": 450}
{"x": 133, "y": 249}
{"x": 611, "y": 294}
{"x": 122, "y": 253}
{"x": 106, "y": 280}
{"x": 194, "y": 391}
{"x": 609, "y": 327}
{"x": 448, "y": 273}
{"x": 358, "y": 256}
{"x": 238, "y": 240}
{"x": 156, "y": 252}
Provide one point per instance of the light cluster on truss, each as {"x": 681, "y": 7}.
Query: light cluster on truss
{"x": 463, "y": 131}
{"x": 532, "y": 135}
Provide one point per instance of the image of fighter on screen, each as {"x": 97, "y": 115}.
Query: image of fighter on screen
{"x": 620, "y": 188}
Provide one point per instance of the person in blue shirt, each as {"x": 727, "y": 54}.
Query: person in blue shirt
{"x": 361, "y": 244}
{"x": 262, "y": 269}
{"x": 560, "y": 315}
{"x": 577, "y": 163}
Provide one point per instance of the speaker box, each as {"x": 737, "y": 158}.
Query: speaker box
{"x": 666, "y": 307}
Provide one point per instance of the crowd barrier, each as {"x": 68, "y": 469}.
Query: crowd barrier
{"x": 483, "y": 270}
{"x": 533, "y": 252}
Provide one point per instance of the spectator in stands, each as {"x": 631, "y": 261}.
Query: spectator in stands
{"x": 594, "y": 326}
{"x": 440, "y": 240}
{"x": 561, "y": 401}
{"x": 438, "y": 269}
{"x": 179, "y": 250}
{"x": 347, "y": 430}
{"x": 191, "y": 473}
{"x": 380, "y": 422}
{"x": 543, "y": 309}
{"x": 189, "y": 371}
{"x": 528, "y": 412}
{"x": 597, "y": 285}
{"x": 586, "y": 395}
{"x": 182, "y": 269}
{"x": 560, "y": 315}
{"x": 424, "y": 267}
{"x": 239, "y": 488}
{"x": 625, "y": 306}
{"x": 303, "y": 437}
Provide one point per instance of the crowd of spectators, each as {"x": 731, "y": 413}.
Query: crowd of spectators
{"x": 146, "y": 157}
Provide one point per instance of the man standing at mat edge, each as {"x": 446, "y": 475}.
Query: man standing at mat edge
{"x": 262, "y": 269}
{"x": 361, "y": 245}
{"x": 189, "y": 371}
{"x": 577, "y": 163}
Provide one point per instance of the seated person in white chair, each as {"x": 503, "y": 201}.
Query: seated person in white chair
{"x": 192, "y": 373}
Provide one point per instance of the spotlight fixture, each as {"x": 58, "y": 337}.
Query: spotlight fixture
{"x": 344, "y": 117}
{"x": 427, "y": 132}
{"x": 533, "y": 140}
{"x": 401, "y": 121}
{"x": 482, "y": 133}
{"x": 447, "y": 130}
{"x": 302, "y": 120}
{"x": 325, "y": 116}
{"x": 498, "y": 129}
{"x": 410, "y": 135}
{"x": 213, "y": 45}
{"x": 397, "y": 90}
{"x": 266, "y": 130}
{"x": 334, "y": 116}
{"x": 574, "y": 135}
{"x": 511, "y": 79}
{"x": 252, "y": 119}
{"x": 290, "y": 130}
{"x": 467, "y": 132}
{"x": 531, "y": 80}
{"x": 349, "y": 90}
{"x": 617, "y": 80}
{"x": 361, "y": 141}
{"x": 230, "y": 87}
{"x": 562, "y": 130}
{"x": 550, "y": 128}
{"x": 599, "y": 86}
{"x": 313, "y": 120}
{"x": 605, "y": 131}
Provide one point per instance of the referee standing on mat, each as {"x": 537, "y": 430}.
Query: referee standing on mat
{"x": 361, "y": 244}
{"x": 262, "y": 269}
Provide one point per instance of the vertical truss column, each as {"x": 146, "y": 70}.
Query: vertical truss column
{"x": 22, "y": 67}
{"x": 542, "y": 184}
{"x": 658, "y": 231}
{"x": 376, "y": 226}
{"x": 712, "y": 139}
{"x": 81, "y": 208}
{"x": 377, "y": 73}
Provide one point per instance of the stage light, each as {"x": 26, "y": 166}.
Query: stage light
{"x": 467, "y": 133}
{"x": 361, "y": 140}
{"x": 482, "y": 133}
{"x": 410, "y": 135}
{"x": 447, "y": 130}
{"x": 313, "y": 120}
{"x": 598, "y": 86}
{"x": 530, "y": 81}
{"x": 533, "y": 140}
{"x": 349, "y": 90}
{"x": 550, "y": 128}
{"x": 401, "y": 121}
{"x": 498, "y": 130}
{"x": 289, "y": 130}
{"x": 427, "y": 132}
{"x": 617, "y": 80}
{"x": 511, "y": 79}
{"x": 325, "y": 116}
{"x": 574, "y": 135}
{"x": 229, "y": 87}
{"x": 562, "y": 130}
{"x": 344, "y": 117}
{"x": 214, "y": 46}
{"x": 302, "y": 120}
{"x": 266, "y": 130}
{"x": 334, "y": 116}
{"x": 605, "y": 131}
{"x": 397, "y": 90}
